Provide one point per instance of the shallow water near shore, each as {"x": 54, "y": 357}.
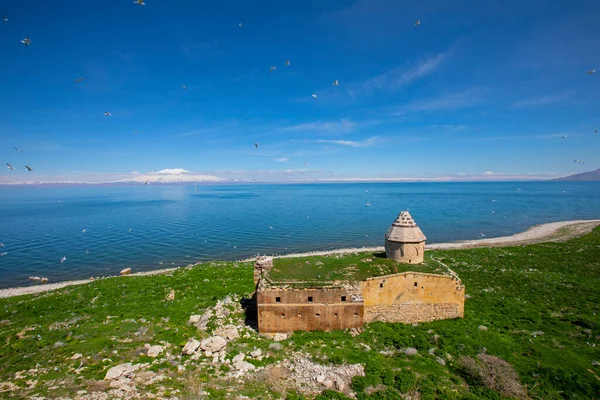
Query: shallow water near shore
{"x": 152, "y": 227}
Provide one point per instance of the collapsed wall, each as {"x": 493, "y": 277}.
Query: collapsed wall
{"x": 412, "y": 297}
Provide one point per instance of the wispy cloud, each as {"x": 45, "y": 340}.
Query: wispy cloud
{"x": 449, "y": 101}
{"x": 282, "y": 159}
{"x": 326, "y": 127}
{"x": 541, "y": 101}
{"x": 352, "y": 143}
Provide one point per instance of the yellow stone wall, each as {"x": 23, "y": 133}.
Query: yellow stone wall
{"x": 412, "y": 297}
{"x": 408, "y": 253}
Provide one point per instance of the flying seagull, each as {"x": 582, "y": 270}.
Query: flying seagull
{"x": 595, "y": 130}
{"x": 146, "y": 183}
{"x": 106, "y": 114}
{"x": 273, "y": 68}
{"x": 4, "y": 18}
{"x": 140, "y": 2}
{"x": 240, "y": 24}
{"x": 28, "y": 168}
{"x": 314, "y": 96}
{"x": 578, "y": 161}
{"x": 564, "y": 136}
{"x": 17, "y": 149}
{"x": 417, "y": 23}
{"x": 26, "y": 42}
{"x": 62, "y": 260}
{"x": 135, "y": 132}
{"x": 80, "y": 79}
{"x": 287, "y": 63}
{"x": 591, "y": 71}
{"x": 336, "y": 83}
{"x": 255, "y": 144}
{"x": 9, "y": 166}
{"x": 183, "y": 87}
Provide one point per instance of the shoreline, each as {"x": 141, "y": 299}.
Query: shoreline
{"x": 549, "y": 232}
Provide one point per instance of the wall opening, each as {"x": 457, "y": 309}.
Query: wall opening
{"x": 416, "y": 284}
{"x": 343, "y": 298}
{"x": 356, "y": 314}
{"x": 335, "y": 314}
{"x": 317, "y": 315}
{"x": 310, "y": 299}
{"x": 277, "y": 299}
{"x": 381, "y": 285}
{"x": 299, "y": 314}
{"x": 282, "y": 315}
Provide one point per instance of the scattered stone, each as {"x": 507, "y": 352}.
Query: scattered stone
{"x": 154, "y": 351}
{"x": 467, "y": 296}
{"x": 440, "y": 360}
{"x": 229, "y": 332}
{"x": 35, "y": 278}
{"x": 213, "y": 343}
{"x": 328, "y": 383}
{"x": 276, "y": 346}
{"x": 119, "y": 371}
{"x": 44, "y": 280}
{"x": 278, "y": 337}
{"x": 320, "y": 378}
{"x": 482, "y": 328}
{"x": 340, "y": 385}
{"x": 410, "y": 351}
{"x": 239, "y": 357}
{"x": 58, "y": 344}
{"x": 256, "y": 353}
{"x": 243, "y": 366}
{"x": 432, "y": 351}
{"x": 126, "y": 271}
{"x": 587, "y": 331}
{"x": 76, "y": 356}
{"x": 537, "y": 333}
{"x": 190, "y": 347}
{"x": 202, "y": 324}
{"x": 170, "y": 296}
{"x": 355, "y": 331}
{"x": 195, "y": 318}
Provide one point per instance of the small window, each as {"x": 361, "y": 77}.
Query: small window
{"x": 416, "y": 284}
{"x": 299, "y": 314}
{"x": 381, "y": 285}
{"x": 356, "y": 314}
{"x": 317, "y": 315}
{"x": 310, "y": 299}
{"x": 282, "y": 315}
{"x": 343, "y": 298}
{"x": 277, "y": 299}
{"x": 335, "y": 314}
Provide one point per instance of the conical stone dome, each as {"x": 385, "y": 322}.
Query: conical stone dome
{"x": 405, "y": 230}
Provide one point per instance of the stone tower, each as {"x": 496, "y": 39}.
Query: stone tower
{"x": 404, "y": 241}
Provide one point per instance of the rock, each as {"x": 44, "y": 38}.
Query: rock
{"x": 208, "y": 353}
{"x": 154, "y": 351}
{"x": 243, "y": 366}
{"x": 170, "y": 296}
{"x": 440, "y": 360}
{"x": 119, "y": 370}
{"x": 339, "y": 385}
{"x": 44, "y": 280}
{"x": 229, "y": 332}
{"x": 180, "y": 368}
{"x": 276, "y": 346}
{"x": 126, "y": 271}
{"x": 203, "y": 322}
{"x": 278, "y": 337}
{"x": 58, "y": 344}
{"x": 482, "y": 328}
{"x": 432, "y": 351}
{"x": 238, "y": 358}
{"x": 76, "y": 356}
{"x": 195, "y": 318}
{"x": 328, "y": 383}
{"x": 213, "y": 343}
{"x": 190, "y": 347}
{"x": 410, "y": 351}
{"x": 537, "y": 333}
{"x": 256, "y": 353}
{"x": 320, "y": 378}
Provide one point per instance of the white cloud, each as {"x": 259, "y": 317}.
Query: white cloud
{"x": 450, "y": 101}
{"x": 174, "y": 175}
{"x": 540, "y": 101}
{"x": 327, "y": 127}
{"x": 351, "y": 143}
{"x": 282, "y": 159}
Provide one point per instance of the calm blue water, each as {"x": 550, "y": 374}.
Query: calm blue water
{"x": 151, "y": 227}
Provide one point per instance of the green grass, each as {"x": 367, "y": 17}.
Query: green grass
{"x": 321, "y": 270}
{"x": 551, "y": 288}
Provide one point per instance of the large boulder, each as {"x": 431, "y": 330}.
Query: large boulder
{"x": 229, "y": 332}
{"x": 213, "y": 343}
{"x": 118, "y": 371}
{"x": 154, "y": 351}
{"x": 190, "y": 347}
{"x": 126, "y": 271}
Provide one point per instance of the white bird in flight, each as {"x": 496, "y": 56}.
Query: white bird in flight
{"x": 417, "y": 23}
{"x": 273, "y": 68}
{"x": 80, "y": 79}
{"x": 255, "y": 144}
{"x": 578, "y": 161}
{"x": 106, "y": 114}
{"x": 62, "y": 260}
{"x": 4, "y": 18}
{"x": 26, "y": 42}
{"x": 17, "y": 149}
{"x": 28, "y": 168}
{"x": 184, "y": 88}
{"x": 287, "y": 63}
{"x": 140, "y": 2}
{"x": 135, "y": 132}
{"x": 564, "y": 136}
{"x": 336, "y": 83}
{"x": 314, "y": 96}
{"x": 591, "y": 71}
{"x": 240, "y": 24}
{"x": 9, "y": 166}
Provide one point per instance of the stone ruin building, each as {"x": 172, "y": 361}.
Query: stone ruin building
{"x": 419, "y": 290}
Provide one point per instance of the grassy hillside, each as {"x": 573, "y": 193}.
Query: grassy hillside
{"x": 536, "y": 307}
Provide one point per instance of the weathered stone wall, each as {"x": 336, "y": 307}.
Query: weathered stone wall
{"x": 284, "y": 310}
{"x": 408, "y": 253}
{"x": 412, "y": 297}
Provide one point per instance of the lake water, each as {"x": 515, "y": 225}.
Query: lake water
{"x": 152, "y": 227}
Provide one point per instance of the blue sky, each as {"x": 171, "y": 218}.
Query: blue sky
{"x": 479, "y": 90}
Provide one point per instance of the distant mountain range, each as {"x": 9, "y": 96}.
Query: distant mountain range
{"x": 584, "y": 176}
